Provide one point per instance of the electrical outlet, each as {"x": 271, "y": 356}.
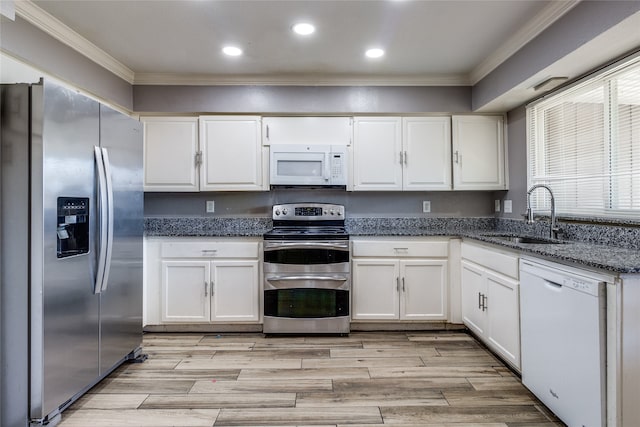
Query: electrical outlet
{"x": 508, "y": 206}
{"x": 496, "y": 205}
{"x": 211, "y": 206}
{"x": 426, "y": 206}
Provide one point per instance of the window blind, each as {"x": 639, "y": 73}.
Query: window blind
{"x": 584, "y": 143}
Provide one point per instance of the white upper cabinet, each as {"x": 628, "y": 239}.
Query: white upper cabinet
{"x": 306, "y": 130}
{"x": 426, "y": 153}
{"x": 394, "y": 153}
{"x": 212, "y": 153}
{"x": 478, "y": 153}
{"x": 377, "y": 147}
{"x": 170, "y": 151}
{"x": 232, "y": 154}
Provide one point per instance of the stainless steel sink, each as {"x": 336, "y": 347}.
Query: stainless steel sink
{"x": 527, "y": 240}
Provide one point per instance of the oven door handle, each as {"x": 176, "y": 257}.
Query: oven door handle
{"x": 306, "y": 282}
{"x": 304, "y": 245}
{"x": 289, "y": 278}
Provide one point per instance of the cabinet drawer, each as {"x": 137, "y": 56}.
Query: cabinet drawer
{"x": 494, "y": 259}
{"x": 400, "y": 248}
{"x": 211, "y": 249}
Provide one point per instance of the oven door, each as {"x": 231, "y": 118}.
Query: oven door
{"x": 306, "y": 303}
{"x": 305, "y": 253}
{"x": 306, "y": 296}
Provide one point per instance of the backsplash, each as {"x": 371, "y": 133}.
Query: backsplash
{"x": 378, "y": 204}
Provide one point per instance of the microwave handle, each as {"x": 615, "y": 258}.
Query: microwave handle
{"x": 327, "y": 166}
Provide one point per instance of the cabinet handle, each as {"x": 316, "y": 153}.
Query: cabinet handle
{"x": 479, "y": 301}
{"x": 484, "y": 303}
{"x": 198, "y": 158}
{"x": 405, "y": 157}
{"x": 209, "y": 251}
{"x": 403, "y": 289}
{"x": 401, "y": 157}
{"x": 267, "y": 131}
{"x": 398, "y": 284}
{"x": 457, "y": 160}
{"x": 206, "y": 289}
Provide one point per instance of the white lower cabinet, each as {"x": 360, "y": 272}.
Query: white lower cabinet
{"x": 202, "y": 281}
{"x": 185, "y": 288}
{"x": 399, "y": 280}
{"x": 490, "y": 299}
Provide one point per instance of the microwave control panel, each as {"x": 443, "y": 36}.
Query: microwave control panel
{"x": 337, "y": 168}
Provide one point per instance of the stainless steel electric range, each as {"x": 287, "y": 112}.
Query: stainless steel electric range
{"x": 307, "y": 275}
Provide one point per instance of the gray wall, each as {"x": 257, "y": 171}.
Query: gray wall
{"x": 301, "y": 99}
{"x": 25, "y": 42}
{"x": 517, "y": 160}
{"x": 358, "y": 204}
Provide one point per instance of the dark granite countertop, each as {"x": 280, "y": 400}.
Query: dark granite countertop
{"x": 206, "y": 226}
{"x": 587, "y": 250}
{"x": 610, "y": 258}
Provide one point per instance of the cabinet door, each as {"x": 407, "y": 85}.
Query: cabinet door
{"x": 375, "y": 289}
{"x": 231, "y": 153}
{"x": 170, "y": 148}
{"x": 423, "y": 293}
{"x": 235, "y": 291}
{"x": 377, "y": 146}
{"x": 503, "y": 316}
{"x": 307, "y": 130}
{"x": 472, "y": 287}
{"x": 185, "y": 291}
{"x": 478, "y": 153}
{"x": 427, "y": 153}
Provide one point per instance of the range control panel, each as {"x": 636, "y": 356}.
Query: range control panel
{"x": 308, "y": 212}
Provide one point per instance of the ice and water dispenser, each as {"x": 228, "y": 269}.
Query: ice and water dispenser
{"x": 73, "y": 226}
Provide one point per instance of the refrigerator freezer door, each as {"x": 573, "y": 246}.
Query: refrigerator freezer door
{"x": 64, "y": 309}
{"x": 121, "y": 297}
{"x": 14, "y": 252}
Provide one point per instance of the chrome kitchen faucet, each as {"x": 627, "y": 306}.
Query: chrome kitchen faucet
{"x": 553, "y": 229}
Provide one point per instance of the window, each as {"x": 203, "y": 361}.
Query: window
{"x": 585, "y": 144}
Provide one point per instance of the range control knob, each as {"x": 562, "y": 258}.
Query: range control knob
{"x": 285, "y": 211}
{"x": 277, "y": 212}
{"x": 332, "y": 212}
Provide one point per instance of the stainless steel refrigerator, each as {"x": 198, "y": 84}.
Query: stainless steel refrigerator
{"x": 71, "y": 213}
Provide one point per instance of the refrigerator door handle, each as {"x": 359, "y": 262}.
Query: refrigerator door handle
{"x": 109, "y": 181}
{"x": 102, "y": 219}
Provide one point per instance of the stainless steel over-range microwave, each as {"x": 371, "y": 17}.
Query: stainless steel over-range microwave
{"x": 308, "y": 165}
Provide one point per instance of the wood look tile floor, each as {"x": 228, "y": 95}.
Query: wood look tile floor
{"x": 364, "y": 380}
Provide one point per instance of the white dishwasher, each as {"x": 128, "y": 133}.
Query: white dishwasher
{"x": 563, "y": 343}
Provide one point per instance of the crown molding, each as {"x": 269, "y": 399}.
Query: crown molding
{"x": 535, "y": 26}
{"x": 36, "y": 16}
{"x": 169, "y": 79}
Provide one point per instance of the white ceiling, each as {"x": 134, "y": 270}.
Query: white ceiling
{"x": 431, "y": 42}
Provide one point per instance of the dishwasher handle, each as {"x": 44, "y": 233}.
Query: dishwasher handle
{"x": 552, "y": 285}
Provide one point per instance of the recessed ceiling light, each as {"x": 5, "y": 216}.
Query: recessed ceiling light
{"x": 232, "y": 51}
{"x": 304, "y": 28}
{"x": 374, "y": 53}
